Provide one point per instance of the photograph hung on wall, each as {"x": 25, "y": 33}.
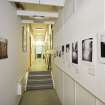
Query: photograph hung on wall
{"x": 68, "y": 55}
{"x": 87, "y": 49}
{"x": 63, "y": 49}
{"x": 59, "y": 52}
{"x": 24, "y": 39}
{"x": 67, "y": 48}
{"x": 101, "y": 47}
{"x": 63, "y": 54}
{"x": 75, "y": 52}
{"x": 3, "y": 48}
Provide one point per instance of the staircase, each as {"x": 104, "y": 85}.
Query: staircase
{"x": 39, "y": 80}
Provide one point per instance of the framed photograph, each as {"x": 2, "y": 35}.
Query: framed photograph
{"x": 24, "y": 39}
{"x": 87, "y": 49}
{"x": 59, "y": 53}
{"x": 3, "y": 48}
{"x": 63, "y": 49}
{"x": 101, "y": 48}
{"x": 68, "y": 60}
{"x": 75, "y": 52}
{"x": 67, "y": 48}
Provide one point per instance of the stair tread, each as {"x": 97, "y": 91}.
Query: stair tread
{"x": 38, "y": 72}
{"x": 39, "y": 80}
{"x": 44, "y": 79}
{"x": 32, "y": 75}
{"x": 37, "y": 88}
{"x": 37, "y": 77}
{"x": 40, "y": 85}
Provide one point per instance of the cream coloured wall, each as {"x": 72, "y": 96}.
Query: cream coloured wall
{"x": 13, "y": 68}
{"x": 78, "y": 20}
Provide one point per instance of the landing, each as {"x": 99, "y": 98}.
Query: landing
{"x": 40, "y": 97}
{"x": 39, "y": 65}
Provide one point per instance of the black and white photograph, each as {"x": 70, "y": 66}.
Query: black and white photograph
{"x": 59, "y": 53}
{"x": 67, "y": 48}
{"x": 87, "y": 48}
{"x": 3, "y": 48}
{"x": 68, "y": 55}
{"x": 63, "y": 49}
{"x": 75, "y": 52}
{"x": 101, "y": 48}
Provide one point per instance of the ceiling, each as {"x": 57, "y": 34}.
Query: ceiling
{"x": 39, "y": 31}
{"x": 32, "y": 11}
{"x": 37, "y": 7}
{"x": 42, "y": 8}
{"x": 39, "y": 13}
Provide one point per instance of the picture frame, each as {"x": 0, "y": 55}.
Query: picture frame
{"x": 75, "y": 52}
{"x": 63, "y": 49}
{"x": 67, "y": 48}
{"x": 68, "y": 55}
{"x": 101, "y": 47}
{"x": 3, "y": 48}
{"x": 87, "y": 49}
{"x": 24, "y": 38}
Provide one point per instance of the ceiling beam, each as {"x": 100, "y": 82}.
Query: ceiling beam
{"x": 37, "y": 14}
{"x": 51, "y": 3}
{"x": 26, "y": 1}
{"x": 37, "y": 22}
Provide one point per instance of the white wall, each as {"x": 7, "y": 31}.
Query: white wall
{"x": 78, "y": 20}
{"x": 70, "y": 92}
{"x": 12, "y": 68}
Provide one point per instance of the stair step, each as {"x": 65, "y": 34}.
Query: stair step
{"x": 39, "y": 81}
{"x": 37, "y": 87}
{"x": 39, "y": 72}
{"x": 39, "y": 77}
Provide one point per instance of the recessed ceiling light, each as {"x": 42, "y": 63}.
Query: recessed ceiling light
{"x": 39, "y": 29}
{"x": 38, "y": 17}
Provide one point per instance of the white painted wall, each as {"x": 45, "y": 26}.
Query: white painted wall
{"x": 13, "y": 68}
{"x": 70, "y": 92}
{"x": 78, "y": 20}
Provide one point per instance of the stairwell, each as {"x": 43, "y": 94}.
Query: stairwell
{"x": 38, "y": 80}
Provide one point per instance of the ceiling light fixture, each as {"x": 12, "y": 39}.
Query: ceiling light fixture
{"x": 38, "y": 17}
{"x": 40, "y": 29}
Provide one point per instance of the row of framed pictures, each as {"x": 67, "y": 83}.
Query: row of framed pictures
{"x": 86, "y": 47}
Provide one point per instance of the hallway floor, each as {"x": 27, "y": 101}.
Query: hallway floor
{"x": 39, "y": 65}
{"x": 40, "y": 97}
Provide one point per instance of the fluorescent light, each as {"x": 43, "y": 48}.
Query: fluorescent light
{"x": 40, "y": 29}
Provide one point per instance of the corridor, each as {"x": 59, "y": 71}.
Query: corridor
{"x": 52, "y": 52}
